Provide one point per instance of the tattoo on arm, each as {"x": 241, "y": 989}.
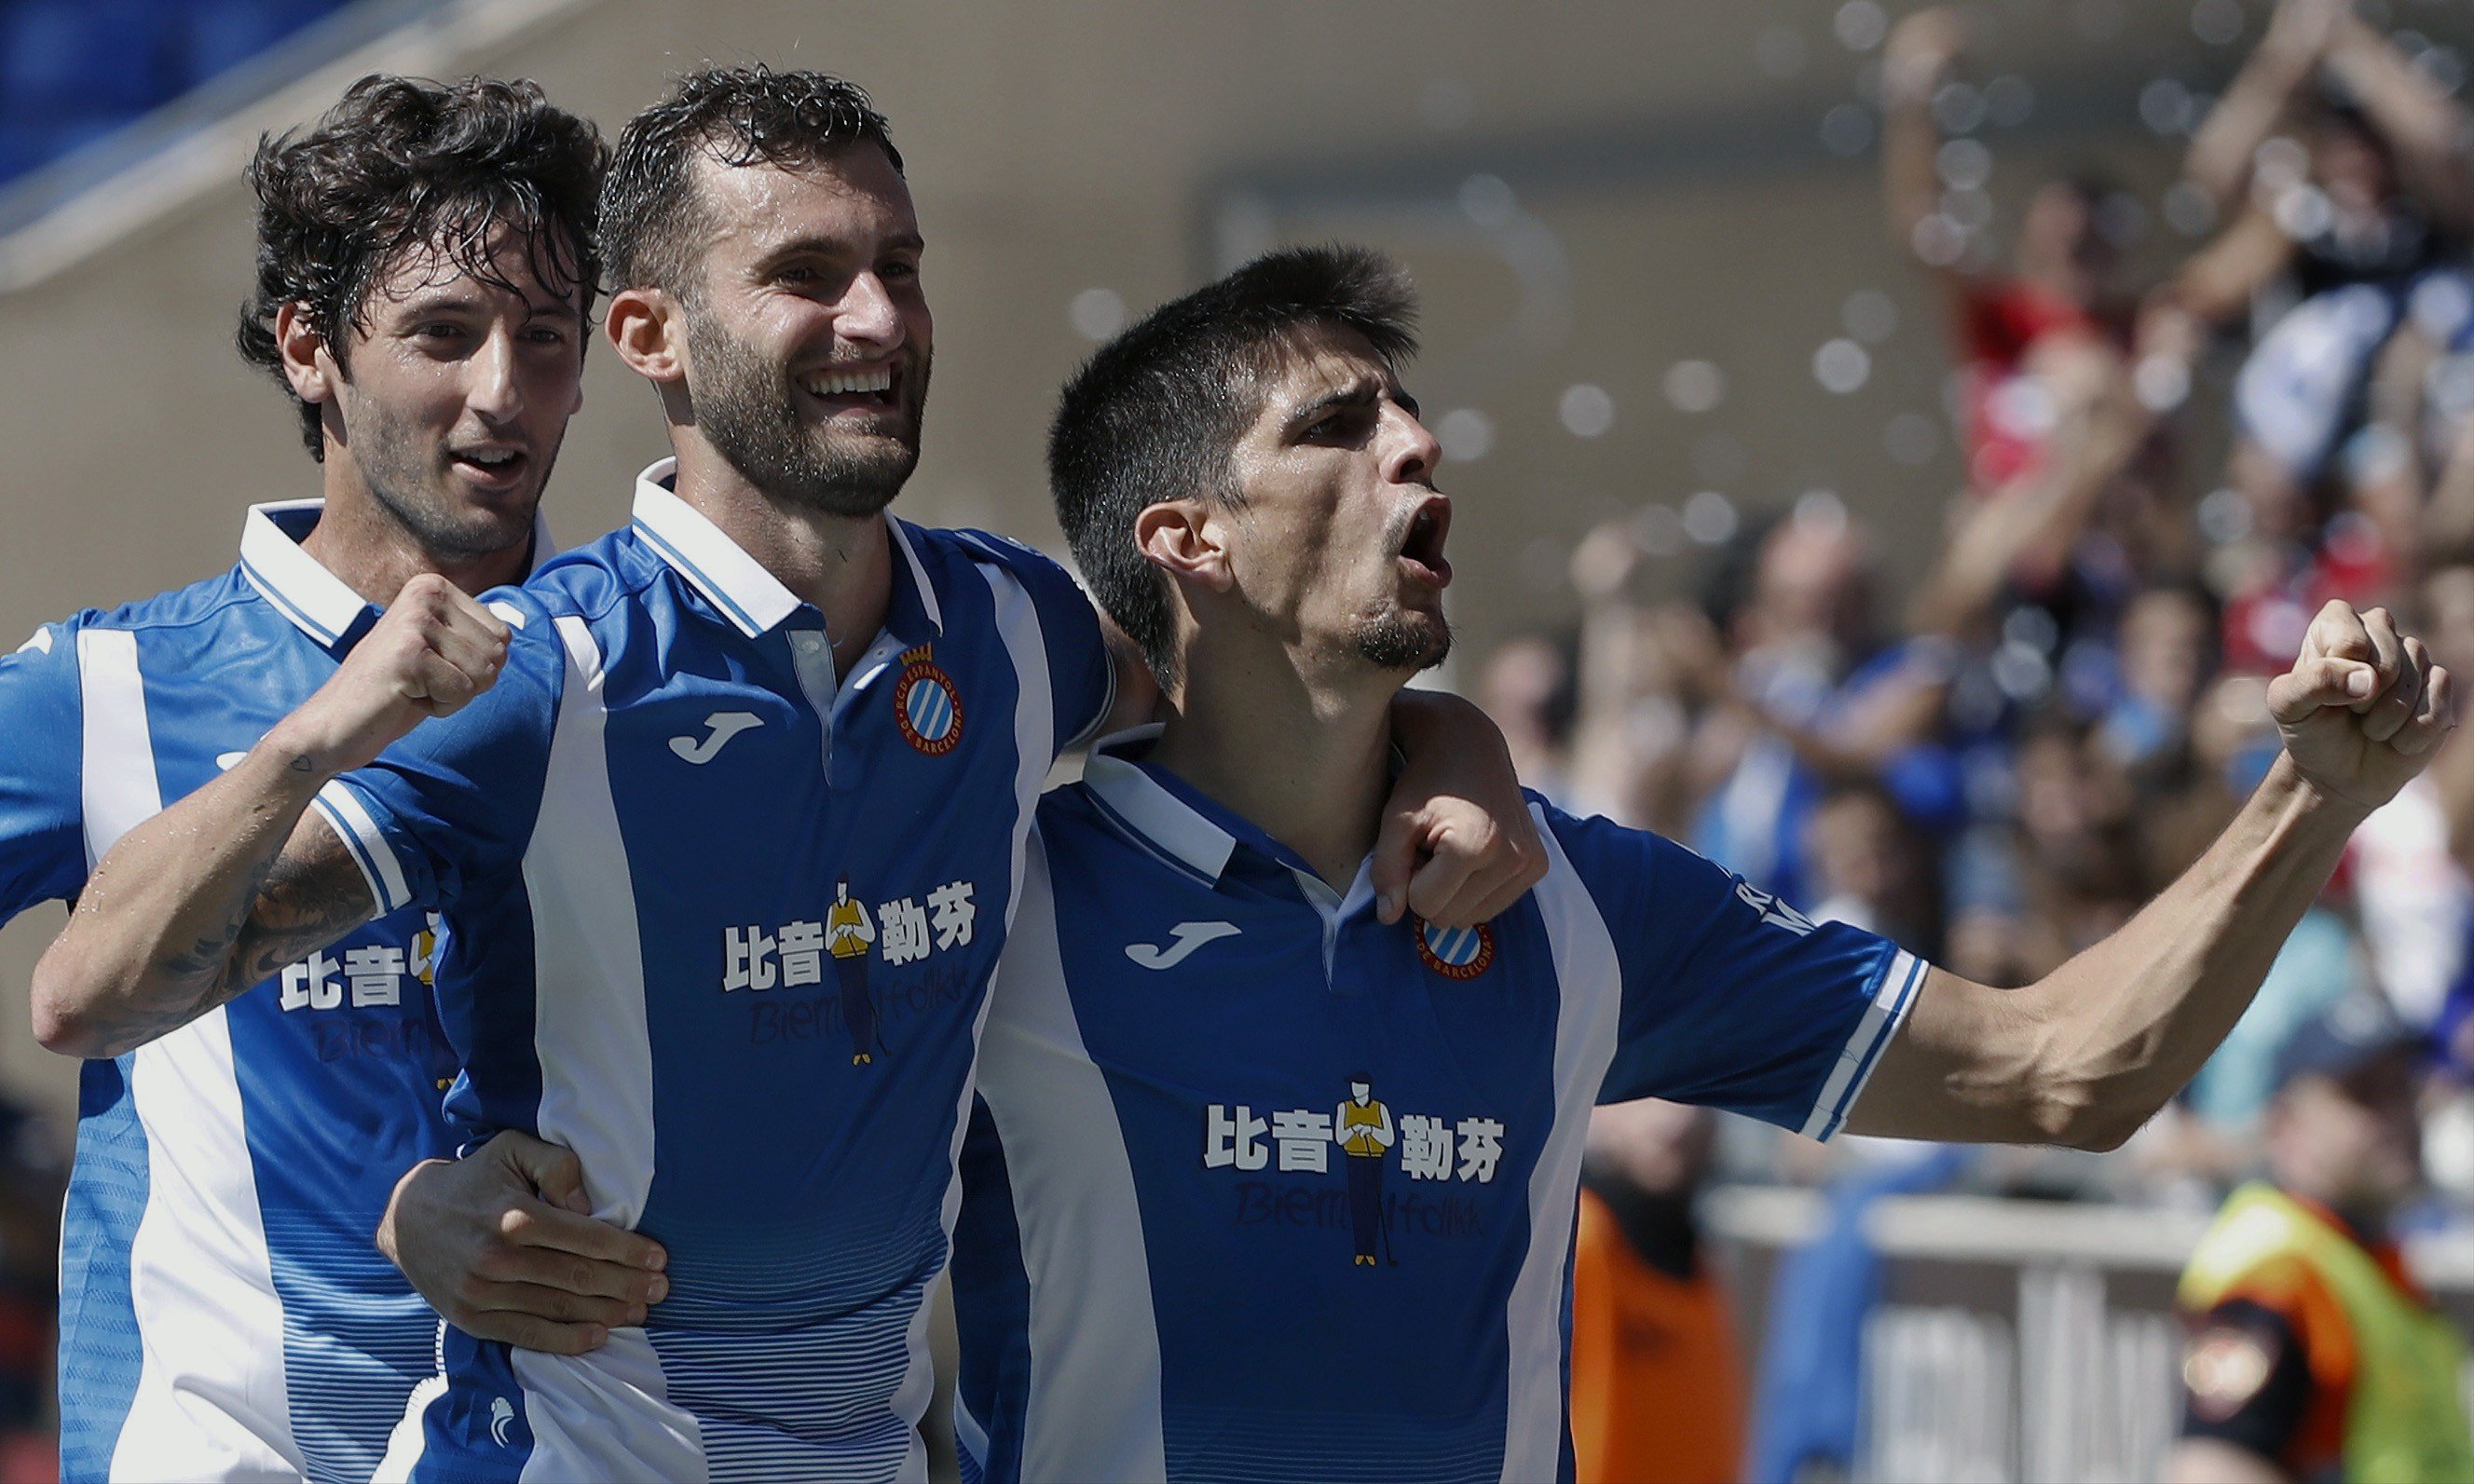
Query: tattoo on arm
{"x": 302, "y": 899}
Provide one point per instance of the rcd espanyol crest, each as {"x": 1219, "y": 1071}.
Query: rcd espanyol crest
{"x": 925, "y": 705}
{"x": 1455, "y": 952}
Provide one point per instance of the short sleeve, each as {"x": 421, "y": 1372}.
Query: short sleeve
{"x": 43, "y": 817}
{"x": 1082, "y": 672}
{"x": 452, "y": 804}
{"x": 1731, "y": 998}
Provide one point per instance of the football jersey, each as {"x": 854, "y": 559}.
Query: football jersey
{"x": 1175, "y": 1256}
{"x": 224, "y": 1312}
{"x": 639, "y": 839}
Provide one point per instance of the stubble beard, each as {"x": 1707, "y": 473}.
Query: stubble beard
{"x": 408, "y": 476}
{"x": 1397, "y": 640}
{"x": 744, "y": 404}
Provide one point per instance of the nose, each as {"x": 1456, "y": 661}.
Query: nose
{"x": 1410, "y": 452}
{"x": 869, "y": 313}
{"x": 490, "y": 383}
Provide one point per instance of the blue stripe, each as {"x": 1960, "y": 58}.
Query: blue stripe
{"x": 704, "y": 585}
{"x": 100, "y": 1353}
{"x": 1890, "y": 1024}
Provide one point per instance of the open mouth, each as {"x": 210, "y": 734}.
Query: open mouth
{"x": 491, "y": 464}
{"x": 853, "y": 386}
{"x": 1422, "y": 549}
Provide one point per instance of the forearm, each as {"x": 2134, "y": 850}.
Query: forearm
{"x": 164, "y": 929}
{"x": 2221, "y": 148}
{"x": 2127, "y": 1023}
{"x": 2420, "y": 123}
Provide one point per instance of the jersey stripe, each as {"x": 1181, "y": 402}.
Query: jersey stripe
{"x": 1590, "y": 981}
{"x": 1095, "y": 1380}
{"x": 1892, "y": 998}
{"x": 200, "y": 1247}
{"x": 596, "y": 1068}
{"x": 350, "y": 819}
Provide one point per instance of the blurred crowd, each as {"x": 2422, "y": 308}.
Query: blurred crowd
{"x": 2164, "y": 481}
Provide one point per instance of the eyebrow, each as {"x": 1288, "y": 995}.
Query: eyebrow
{"x": 464, "y": 301}
{"x": 900, "y": 242}
{"x": 1364, "y": 392}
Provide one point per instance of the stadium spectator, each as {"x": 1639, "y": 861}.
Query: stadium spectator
{"x": 1658, "y": 1385}
{"x": 2312, "y": 1353}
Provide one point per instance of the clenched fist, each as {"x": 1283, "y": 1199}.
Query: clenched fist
{"x": 433, "y": 650}
{"x": 2362, "y": 707}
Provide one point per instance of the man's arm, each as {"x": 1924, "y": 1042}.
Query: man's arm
{"x": 2425, "y": 127}
{"x": 1914, "y": 66}
{"x": 2220, "y": 153}
{"x": 2090, "y": 1052}
{"x": 231, "y": 883}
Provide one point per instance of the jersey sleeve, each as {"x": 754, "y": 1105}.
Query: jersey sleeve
{"x": 1081, "y": 673}
{"x": 1730, "y": 998}
{"x": 43, "y": 816}
{"x": 453, "y": 803}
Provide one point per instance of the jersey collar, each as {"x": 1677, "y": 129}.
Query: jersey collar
{"x": 294, "y": 582}
{"x": 752, "y": 598}
{"x": 298, "y": 586}
{"x": 1173, "y": 816}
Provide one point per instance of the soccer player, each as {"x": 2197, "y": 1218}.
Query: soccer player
{"x": 649, "y": 769}
{"x": 424, "y": 267}
{"x": 1154, "y": 1266}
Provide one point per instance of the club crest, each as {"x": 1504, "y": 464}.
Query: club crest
{"x": 1456, "y": 952}
{"x": 925, "y": 705}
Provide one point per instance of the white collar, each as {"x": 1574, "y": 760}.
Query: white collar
{"x": 752, "y": 598}
{"x": 299, "y": 585}
{"x": 294, "y": 582}
{"x": 1159, "y": 817}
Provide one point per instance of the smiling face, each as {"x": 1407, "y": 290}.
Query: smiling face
{"x": 451, "y": 396}
{"x": 807, "y": 337}
{"x": 1336, "y": 541}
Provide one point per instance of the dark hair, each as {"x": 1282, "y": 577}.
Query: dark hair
{"x": 1157, "y": 413}
{"x": 401, "y": 163}
{"x": 735, "y": 116}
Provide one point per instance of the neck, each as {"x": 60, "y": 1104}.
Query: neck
{"x": 1304, "y": 759}
{"x": 372, "y": 552}
{"x": 841, "y": 564}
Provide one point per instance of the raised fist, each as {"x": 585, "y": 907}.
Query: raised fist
{"x": 2362, "y": 707}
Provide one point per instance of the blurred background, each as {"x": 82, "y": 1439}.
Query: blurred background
{"x": 1890, "y": 449}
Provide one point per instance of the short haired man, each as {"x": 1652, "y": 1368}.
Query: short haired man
{"x": 1153, "y": 1261}
{"x": 2313, "y": 1354}
{"x": 765, "y": 685}
{"x": 425, "y": 262}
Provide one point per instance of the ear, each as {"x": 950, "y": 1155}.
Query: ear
{"x": 644, "y": 327}
{"x": 307, "y": 363}
{"x": 1182, "y": 538}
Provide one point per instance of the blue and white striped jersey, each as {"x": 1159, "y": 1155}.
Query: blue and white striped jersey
{"x": 1257, "y": 1188}
{"x": 223, "y": 1311}
{"x": 721, "y": 921}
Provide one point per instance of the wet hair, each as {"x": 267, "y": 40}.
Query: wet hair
{"x": 1157, "y": 413}
{"x": 403, "y": 165}
{"x": 657, "y": 222}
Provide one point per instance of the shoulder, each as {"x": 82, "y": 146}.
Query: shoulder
{"x": 589, "y": 581}
{"x": 1045, "y": 577}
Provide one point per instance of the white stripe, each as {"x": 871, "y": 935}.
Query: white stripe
{"x": 211, "y": 1400}
{"x": 350, "y": 819}
{"x": 1589, "y": 998}
{"x": 1093, "y": 1410}
{"x": 406, "y": 1442}
{"x": 1034, "y": 740}
{"x": 606, "y": 1415}
{"x": 1892, "y": 998}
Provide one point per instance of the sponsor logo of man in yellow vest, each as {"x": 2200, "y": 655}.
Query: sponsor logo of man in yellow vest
{"x": 1362, "y": 1129}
